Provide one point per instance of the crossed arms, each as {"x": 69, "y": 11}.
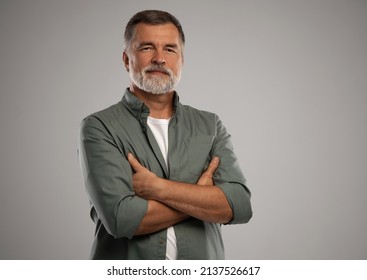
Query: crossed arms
{"x": 140, "y": 203}
{"x": 170, "y": 202}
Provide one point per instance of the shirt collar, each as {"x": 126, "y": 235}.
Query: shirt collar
{"x": 141, "y": 111}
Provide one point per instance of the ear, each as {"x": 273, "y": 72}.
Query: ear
{"x": 125, "y": 59}
{"x": 182, "y": 57}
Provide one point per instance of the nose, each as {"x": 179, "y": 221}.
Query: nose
{"x": 158, "y": 57}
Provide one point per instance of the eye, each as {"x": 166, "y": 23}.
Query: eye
{"x": 171, "y": 50}
{"x": 146, "y": 48}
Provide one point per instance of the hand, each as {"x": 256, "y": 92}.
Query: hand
{"x": 207, "y": 177}
{"x": 143, "y": 179}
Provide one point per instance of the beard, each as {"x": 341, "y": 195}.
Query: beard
{"x": 155, "y": 84}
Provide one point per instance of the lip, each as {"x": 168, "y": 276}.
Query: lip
{"x": 155, "y": 72}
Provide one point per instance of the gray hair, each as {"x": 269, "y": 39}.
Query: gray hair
{"x": 153, "y": 17}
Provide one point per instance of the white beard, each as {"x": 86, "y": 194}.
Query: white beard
{"x": 156, "y": 84}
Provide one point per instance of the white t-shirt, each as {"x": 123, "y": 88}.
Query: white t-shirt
{"x": 159, "y": 127}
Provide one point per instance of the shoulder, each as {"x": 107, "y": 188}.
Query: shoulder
{"x": 106, "y": 116}
{"x": 104, "y": 121}
{"x": 203, "y": 120}
{"x": 189, "y": 111}
{"x": 199, "y": 121}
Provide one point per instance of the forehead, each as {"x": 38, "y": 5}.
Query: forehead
{"x": 162, "y": 33}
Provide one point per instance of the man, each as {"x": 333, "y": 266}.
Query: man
{"x": 162, "y": 177}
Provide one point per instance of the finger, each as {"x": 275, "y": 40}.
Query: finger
{"x": 213, "y": 165}
{"x": 136, "y": 166}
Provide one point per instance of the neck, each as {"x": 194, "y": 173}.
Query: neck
{"x": 160, "y": 105}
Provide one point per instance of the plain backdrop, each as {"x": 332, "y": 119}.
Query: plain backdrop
{"x": 287, "y": 78}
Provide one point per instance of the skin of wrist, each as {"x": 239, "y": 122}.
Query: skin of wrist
{"x": 158, "y": 185}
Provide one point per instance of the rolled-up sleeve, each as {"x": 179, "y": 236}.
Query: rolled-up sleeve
{"x": 229, "y": 176}
{"x": 108, "y": 179}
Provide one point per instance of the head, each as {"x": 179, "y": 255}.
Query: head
{"x": 151, "y": 17}
{"x": 153, "y": 56}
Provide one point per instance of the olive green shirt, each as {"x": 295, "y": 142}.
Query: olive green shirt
{"x": 194, "y": 138}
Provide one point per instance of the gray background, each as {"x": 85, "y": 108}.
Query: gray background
{"x": 288, "y": 79}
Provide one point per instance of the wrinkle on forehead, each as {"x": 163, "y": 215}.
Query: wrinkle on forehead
{"x": 157, "y": 35}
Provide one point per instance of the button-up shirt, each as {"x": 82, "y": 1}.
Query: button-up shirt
{"x": 195, "y": 137}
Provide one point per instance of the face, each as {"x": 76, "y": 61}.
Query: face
{"x": 154, "y": 59}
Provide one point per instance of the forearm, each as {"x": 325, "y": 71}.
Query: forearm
{"x": 207, "y": 203}
{"x": 159, "y": 216}
{"x": 202, "y": 200}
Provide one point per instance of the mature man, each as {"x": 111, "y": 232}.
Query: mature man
{"x": 161, "y": 176}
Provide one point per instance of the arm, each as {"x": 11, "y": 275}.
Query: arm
{"x": 208, "y": 202}
{"x": 159, "y": 216}
{"x": 203, "y": 201}
{"x": 229, "y": 176}
{"x": 107, "y": 176}
{"x": 108, "y": 179}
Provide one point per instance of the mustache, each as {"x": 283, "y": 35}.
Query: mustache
{"x": 159, "y": 68}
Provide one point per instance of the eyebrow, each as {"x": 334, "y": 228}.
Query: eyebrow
{"x": 174, "y": 46}
{"x": 147, "y": 43}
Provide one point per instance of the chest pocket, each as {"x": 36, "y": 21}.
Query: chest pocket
{"x": 198, "y": 150}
